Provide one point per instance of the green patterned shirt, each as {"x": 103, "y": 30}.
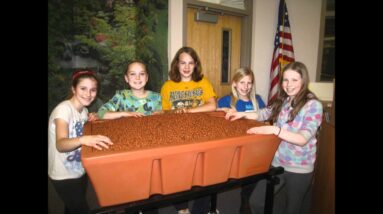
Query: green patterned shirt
{"x": 124, "y": 100}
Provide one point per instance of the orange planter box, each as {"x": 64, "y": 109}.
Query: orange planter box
{"x": 128, "y": 173}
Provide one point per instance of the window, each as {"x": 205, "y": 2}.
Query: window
{"x": 226, "y": 39}
{"x": 328, "y": 55}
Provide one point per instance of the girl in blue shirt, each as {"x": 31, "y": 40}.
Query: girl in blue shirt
{"x": 242, "y": 99}
{"x": 243, "y": 96}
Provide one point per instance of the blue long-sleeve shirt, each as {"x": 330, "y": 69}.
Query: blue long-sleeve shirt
{"x": 224, "y": 102}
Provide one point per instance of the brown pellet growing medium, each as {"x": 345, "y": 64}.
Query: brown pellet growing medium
{"x": 131, "y": 133}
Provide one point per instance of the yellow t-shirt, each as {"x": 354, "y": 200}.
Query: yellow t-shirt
{"x": 186, "y": 94}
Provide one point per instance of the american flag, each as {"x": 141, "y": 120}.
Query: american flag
{"x": 283, "y": 49}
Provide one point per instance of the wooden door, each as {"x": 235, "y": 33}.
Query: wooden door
{"x": 206, "y": 39}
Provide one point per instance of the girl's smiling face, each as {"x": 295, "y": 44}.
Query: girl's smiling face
{"x": 136, "y": 76}
{"x": 292, "y": 82}
{"x": 85, "y": 91}
{"x": 186, "y": 65}
{"x": 243, "y": 87}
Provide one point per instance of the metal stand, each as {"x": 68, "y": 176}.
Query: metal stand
{"x": 213, "y": 204}
{"x": 271, "y": 181}
{"x": 156, "y": 201}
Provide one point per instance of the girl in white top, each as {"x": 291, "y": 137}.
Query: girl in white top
{"x": 65, "y": 139}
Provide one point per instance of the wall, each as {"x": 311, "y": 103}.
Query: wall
{"x": 304, "y": 17}
{"x": 174, "y": 28}
{"x": 305, "y": 26}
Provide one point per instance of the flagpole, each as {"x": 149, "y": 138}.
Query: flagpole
{"x": 283, "y": 36}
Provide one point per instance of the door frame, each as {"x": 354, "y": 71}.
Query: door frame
{"x": 246, "y": 21}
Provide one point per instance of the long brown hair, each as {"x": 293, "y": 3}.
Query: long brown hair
{"x": 174, "y": 72}
{"x": 303, "y": 96}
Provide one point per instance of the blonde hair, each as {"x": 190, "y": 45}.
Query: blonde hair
{"x": 239, "y": 74}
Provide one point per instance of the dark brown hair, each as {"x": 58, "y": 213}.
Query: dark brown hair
{"x": 174, "y": 72}
{"x": 82, "y": 74}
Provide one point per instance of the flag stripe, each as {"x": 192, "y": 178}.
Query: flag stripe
{"x": 287, "y": 58}
{"x": 286, "y": 42}
{"x": 283, "y": 49}
{"x": 285, "y": 35}
{"x": 287, "y": 47}
{"x": 284, "y": 29}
